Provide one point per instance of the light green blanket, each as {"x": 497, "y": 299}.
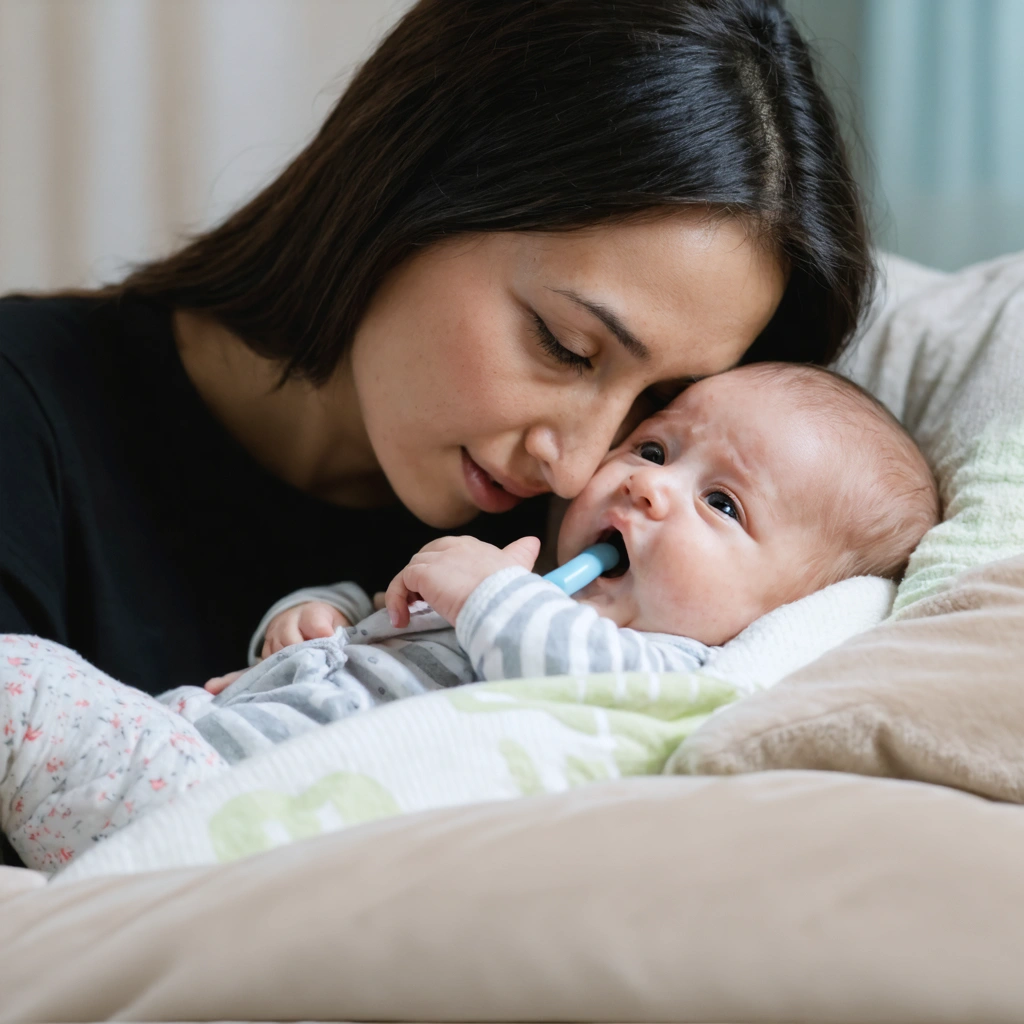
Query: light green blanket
{"x": 984, "y": 512}
{"x": 486, "y": 741}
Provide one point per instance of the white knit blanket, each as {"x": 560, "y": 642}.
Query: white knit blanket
{"x": 487, "y": 741}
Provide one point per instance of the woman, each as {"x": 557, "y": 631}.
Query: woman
{"x": 522, "y": 225}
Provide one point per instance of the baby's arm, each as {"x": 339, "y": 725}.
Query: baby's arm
{"x": 516, "y": 624}
{"x": 446, "y": 571}
{"x": 303, "y": 615}
{"x": 306, "y": 614}
{"x": 512, "y": 623}
{"x": 305, "y": 621}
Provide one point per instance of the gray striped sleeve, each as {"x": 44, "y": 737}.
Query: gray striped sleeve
{"x": 511, "y": 614}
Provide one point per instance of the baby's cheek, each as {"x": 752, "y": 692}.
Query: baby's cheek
{"x": 677, "y": 595}
{"x": 617, "y": 607}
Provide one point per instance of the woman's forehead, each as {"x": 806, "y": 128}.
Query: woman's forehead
{"x": 668, "y": 255}
{"x": 692, "y": 288}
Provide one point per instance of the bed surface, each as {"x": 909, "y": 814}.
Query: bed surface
{"x": 759, "y": 892}
{"x": 777, "y": 897}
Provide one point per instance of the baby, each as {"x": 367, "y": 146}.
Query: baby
{"x": 752, "y": 489}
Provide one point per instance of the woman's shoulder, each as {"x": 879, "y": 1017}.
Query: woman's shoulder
{"x": 41, "y": 342}
{"x": 45, "y": 340}
{"x": 58, "y": 345}
{"x": 29, "y": 322}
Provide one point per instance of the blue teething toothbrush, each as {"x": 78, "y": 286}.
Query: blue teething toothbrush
{"x": 584, "y": 568}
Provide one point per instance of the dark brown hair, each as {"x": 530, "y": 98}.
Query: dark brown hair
{"x": 512, "y": 115}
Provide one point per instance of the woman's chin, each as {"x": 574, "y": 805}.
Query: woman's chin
{"x": 441, "y": 513}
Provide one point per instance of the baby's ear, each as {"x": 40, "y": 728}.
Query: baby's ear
{"x": 524, "y": 551}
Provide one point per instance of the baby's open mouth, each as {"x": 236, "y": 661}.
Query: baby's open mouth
{"x": 614, "y": 538}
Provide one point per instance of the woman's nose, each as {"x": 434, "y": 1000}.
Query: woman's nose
{"x": 647, "y": 491}
{"x": 569, "y": 457}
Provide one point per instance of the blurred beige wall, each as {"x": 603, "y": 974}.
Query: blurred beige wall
{"x": 125, "y": 124}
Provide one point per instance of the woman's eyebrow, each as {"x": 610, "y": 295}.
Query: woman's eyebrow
{"x": 611, "y": 320}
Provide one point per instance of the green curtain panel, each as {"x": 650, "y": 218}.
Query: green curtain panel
{"x": 938, "y": 99}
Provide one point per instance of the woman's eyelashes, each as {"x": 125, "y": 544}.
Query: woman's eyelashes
{"x": 724, "y": 503}
{"x": 558, "y": 351}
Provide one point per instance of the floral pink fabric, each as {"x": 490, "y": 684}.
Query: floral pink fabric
{"x": 82, "y": 755}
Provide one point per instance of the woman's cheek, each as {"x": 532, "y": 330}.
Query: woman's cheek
{"x": 485, "y": 380}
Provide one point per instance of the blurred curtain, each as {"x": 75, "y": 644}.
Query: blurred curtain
{"x": 934, "y": 89}
{"x": 944, "y": 114}
{"x": 125, "y": 124}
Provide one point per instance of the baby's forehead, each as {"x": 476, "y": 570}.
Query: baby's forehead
{"x": 778, "y": 397}
{"x": 725, "y": 402}
{"x": 762, "y": 427}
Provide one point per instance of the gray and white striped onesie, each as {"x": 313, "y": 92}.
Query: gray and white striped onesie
{"x": 514, "y": 625}
{"x": 82, "y": 755}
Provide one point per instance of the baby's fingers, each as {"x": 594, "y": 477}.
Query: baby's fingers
{"x": 319, "y": 620}
{"x": 397, "y": 599}
{"x": 283, "y": 632}
{"x": 221, "y": 683}
{"x": 272, "y": 645}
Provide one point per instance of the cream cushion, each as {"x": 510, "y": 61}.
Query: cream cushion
{"x": 936, "y": 696}
{"x": 14, "y": 881}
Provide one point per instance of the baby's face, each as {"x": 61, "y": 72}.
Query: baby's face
{"x": 718, "y": 502}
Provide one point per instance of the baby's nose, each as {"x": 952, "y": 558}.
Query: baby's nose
{"x": 648, "y": 493}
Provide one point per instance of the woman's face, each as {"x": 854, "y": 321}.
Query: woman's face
{"x": 504, "y": 365}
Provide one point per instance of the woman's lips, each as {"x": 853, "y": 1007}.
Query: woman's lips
{"x": 484, "y": 491}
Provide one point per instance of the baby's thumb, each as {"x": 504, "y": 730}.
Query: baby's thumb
{"x": 524, "y": 551}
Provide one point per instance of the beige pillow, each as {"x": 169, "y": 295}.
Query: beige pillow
{"x": 936, "y": 696}
{"x": 778, "y": 897}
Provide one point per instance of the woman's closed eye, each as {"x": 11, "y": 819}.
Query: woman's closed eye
{"x": 724, "y": 503}
{"x": 558, "y": 351}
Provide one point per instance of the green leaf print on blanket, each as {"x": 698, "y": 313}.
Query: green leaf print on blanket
{"x": 639, "y": 718}
{"x": 262, "y": 819}
{"x": 521, "y": 767}
{"x": 578, "y": 770}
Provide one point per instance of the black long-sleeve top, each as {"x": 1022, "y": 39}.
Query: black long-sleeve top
{"x": 133, "y": 527}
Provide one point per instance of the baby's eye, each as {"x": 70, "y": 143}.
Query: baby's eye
{"x": 723, "y": 503}
{"x": 652, "y": 452}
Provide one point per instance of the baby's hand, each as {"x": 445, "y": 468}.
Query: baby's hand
{"x": 220, "y": 683}
{"x": 303, "y": 622}
{"x": 446, "y": 571}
